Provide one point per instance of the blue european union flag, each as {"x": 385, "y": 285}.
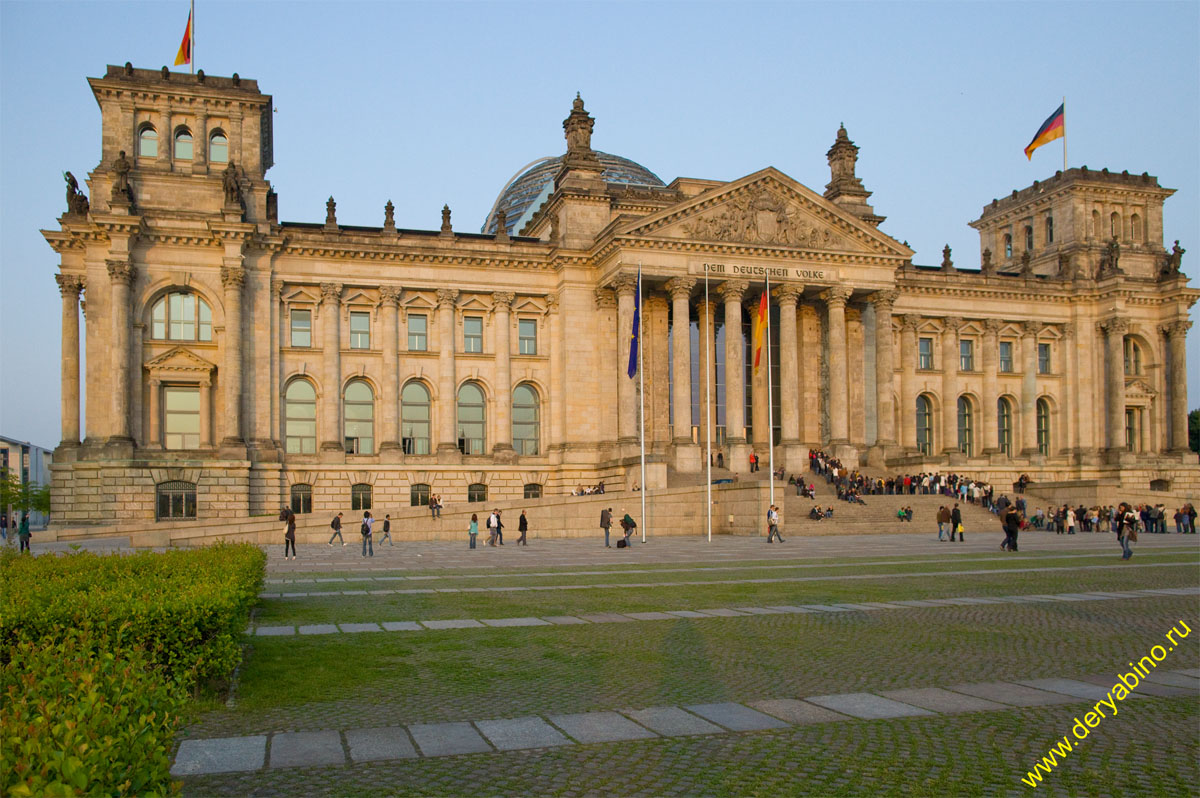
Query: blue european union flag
{"x": 635, "y": 334}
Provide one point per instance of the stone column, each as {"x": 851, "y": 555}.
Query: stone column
{"x": 686, "y": 455}
{"x": 389, "y": 404}
{"x": 331, "y": 399}
{"x": 789, "y": 378}
{"x": 154, "y": 439}
{"x": 707, "y": 355}
{"x": 991, "y": 386}
{"x": 908, "y": 381}
{"x": 233, "y": 278}
{"x": 839, "y": 425}
{"x": 1070, "y": 393}
{"x": 733, "y": 291}
{"x": 121, "y": 273}
{"x": 278, "y": 342}
{"x": 556, "y": 401}
{"x": 69, "y": 286}
{"x": 206, "y": 439}
{"x": 1176, "y": 333}
{"x": 447, "y": 448}
{"x": 950, "y": 365}
{"x": 625, "y": 286}
{"x": 1086, "y": 401}
{"x": 166, "y": 140}
{"x": 885, "y": 409}
{"x": 1029, "y": 332}
{"x": 656, "y": 309}
{"x": 606, "y": 349}
{"x": 502, "y": 342}
{"x": 200, "y": 144}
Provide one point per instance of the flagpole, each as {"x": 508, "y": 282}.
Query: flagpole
{"x": 708, "y": 402}
{"x": 192, "y": 35}
{"x": 642, "y": 397}
{"x": 770, "y": 399}
{"x": 1064, "y": 104}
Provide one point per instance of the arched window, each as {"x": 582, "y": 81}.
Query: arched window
{"x": 477, "y": 492}
{"x": 533, "y": 490}
{"x": 525, "y": 424}
{"x": 183, "y": 144}
{"x": 360, "y": 496}
{"x": 924, "y": 425}
{"x": 471, "y": 419}
{"x": 1004, "y": 425}
{"x": 1133, "y": 358}
{"x": 1008, "y": 245}
{"x": 965, "y": 425}
{"x": 418, "y": 495}
{"x": 301, "y": 499}
{"x": 360, "y": 419}
{"x": 1114, "y": 225}
{"x": 147, "y": 142}
{"x": 175, "y": 500}
{"x": 1029, "y": 237}
{"x": 300, "y": 418}
{"x": 1043, "y": 426}
{"x": 218, "y": 147}
{"x": 1049, "y": 229}
{"x": 414, "y": 418}
{"x": 181, "y": 316}
{"x": 1096, "y": 224}
{"x": 1135, "y": 228}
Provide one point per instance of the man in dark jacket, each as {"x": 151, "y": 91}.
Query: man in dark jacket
{"x": 336, "y": 526}
{"x": 1012, "y": 526}
{"x": 522, "y": 527}
{"x": 956, "y": 523}
{"x": 606, "y": 524}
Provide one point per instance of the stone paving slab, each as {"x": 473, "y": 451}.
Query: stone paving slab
{"x": 445, "y": 739}
{"x": 796, "y": 712}
{"x": 459, "y": 623}
{"x": 1072, "y": 687}
{"x": 1143, "y": 688}
{"x": 760, "y": 610}
{"x": 275, "y": 631}
{"x": 914, "y": 603}
{"x": 360, "y": 627}
{"x": 1017, "y": 695}
{"x": 687, "y": 614}
{"x": 672, "y": 721}
{"x": 723, "y": 612}
{"x": 403, "y": 626}
{"x": 823, "y": 608}
{"x": 866, "y": 706}
{"x": 1172, "y": 679}
{"x": 514, "y": 733}
{"x": 370, "y": 745}
{"x": 649, "y": 616}
{"x": 307, "y": 749}
{"x": 936, "y": 699}
{"x": 858, "y": 607}
{"x": 600, "y": 727}
{"x": 220, "y": 755}
{"x": 319, "y": 629}
{"x": 1194, "y": 672}
{"x": 736, "y": 717}
{"x": 563, "y": 620}
{"x": 605, "y": 617}
{"x": 515, "y": 622}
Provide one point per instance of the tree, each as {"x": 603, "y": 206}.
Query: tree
{"x": 1194, "y": 430}
{"x": 26, "y": 497}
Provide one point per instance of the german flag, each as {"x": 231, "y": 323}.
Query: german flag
{"x": 184, "y": 56}
{"x": 1053, "y": 128}
{"x": 760, "y": 325}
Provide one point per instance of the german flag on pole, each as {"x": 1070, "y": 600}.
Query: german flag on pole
{"x": 760, "y": 326}
{"x": 184, "y": 56}
{"x": 1053, "y": 128}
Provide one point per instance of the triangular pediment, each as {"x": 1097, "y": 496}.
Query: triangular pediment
{"x": 1139, "y": 388}
{"x": 180, "y": 360}
{"x": 767, "y": 209}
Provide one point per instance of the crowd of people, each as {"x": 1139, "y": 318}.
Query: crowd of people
{"x": 1149, "y": 518}
{"x": 591, "y": 490}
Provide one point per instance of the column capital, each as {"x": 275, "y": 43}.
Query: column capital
{"x": 120, "y": 270}
{"x": 992, "y": 326}
{"x": 389, "y": 295}
{"x": 1176, "y": 329}
{"x": 69, "y": 285}
{"x": 1069, "y": 329}
{"x": 837, "y": 295}
{"x": 502, "y": 300}
{"x": 331, "y": 293}
{"x": 680, "y": 287}
{"x": 885, "y": 299}
{"x": 952, "y": 323}
{"x": 909, "y": 322}
{"x": 447, "y": 297}
{"x": 656, "y": 302}
{"x": 706, "y": 305}
{"x": 624, "y": 284}
{"x": 277, "y": 290}
{"x": 732, "y": 290}
{"x": 788, "y": 295}
{"x": 233, "y": 277}
{"x": 1030, "y": 328}
{"x": 605, "y": 298}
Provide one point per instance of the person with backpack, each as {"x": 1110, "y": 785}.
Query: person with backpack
{"x": 627, "y": 524}
{"x": 23, "y": 532}
{"x": 289, "y": 531}
{"x": 366, "y": 533}
{"x": 491, "y": 527}
{"x": 336, "y": 526}
{"x": 606, "y": 524}
{"x": 387, "y": 530}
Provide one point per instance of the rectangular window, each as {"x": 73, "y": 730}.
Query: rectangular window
{"x": 302, "y": 328}
{"x": 181, "y": 418}
{"x": 360, "y": 330}
{"x": 527, "y": 336}
{"x": 1006, "y": 357}
{"x": 1043, "y": 358}
{"x": 473, "y": 334}
{"x": 925, "y": 353}
{"x": 418, "y": 331}
{"x": 966, "y": 355}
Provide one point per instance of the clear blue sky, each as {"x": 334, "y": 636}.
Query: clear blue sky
{"x": 432, "y": 103}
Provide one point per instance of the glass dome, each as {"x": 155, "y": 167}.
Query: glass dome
{"x": 525, "y": 193}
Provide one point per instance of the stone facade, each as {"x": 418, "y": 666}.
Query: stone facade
{"x": 244, "y": 357}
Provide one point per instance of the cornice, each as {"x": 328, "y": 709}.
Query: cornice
{"x": 414, "y": 258}
{"x": 749, "y": 250}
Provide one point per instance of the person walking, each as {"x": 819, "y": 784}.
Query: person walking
{"x": 289, "y": 531}
{"x": 4, "y": 526}
{"x": 473, "y": 529}
{"x": 336, "y": 526}
{"x": 943, "y": 520}
{"x": 387, "y": 530}
{"x": 491, "y": 528}
{"x": 956, "y": 524}
{"x": 522, "y": 527}
{"x": 606, "y": 524}
{"x": 1012, "y": 526}
{"x": 1126, "y": 530}
{"x": 23, "y": 532}
{"x": 366, "y": 533}
{"x": 499, "y": 529}
{"x": 773, "y": 524}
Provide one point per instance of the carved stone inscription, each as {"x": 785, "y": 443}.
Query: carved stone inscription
{"x": 762, "y": 218}
{"x": 778, "y": 273}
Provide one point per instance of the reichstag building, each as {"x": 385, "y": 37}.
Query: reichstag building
{"x": 236, "y": 363}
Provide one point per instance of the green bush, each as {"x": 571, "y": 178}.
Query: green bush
{"x": 79, "y": 720}
{"x": 185, "y": 609}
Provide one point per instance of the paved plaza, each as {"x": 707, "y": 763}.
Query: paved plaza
{"x": 865, "y": 665}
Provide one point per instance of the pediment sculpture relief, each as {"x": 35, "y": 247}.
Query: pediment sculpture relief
{"x": 762, "y": 218}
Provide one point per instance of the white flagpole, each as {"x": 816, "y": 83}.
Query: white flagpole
{"x": 1064, "y": 103}
{"x": 708, "y": 401}
{"x": 642, "y": 394}
{"x": 192, "y": 36}
{"x": 770, "y": 398}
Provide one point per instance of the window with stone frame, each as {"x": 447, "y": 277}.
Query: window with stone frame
{"x": 1043, "y": 426}
{"x": 300, "y": 418}
{"x": 414, "y": 418}
{"x": 472, "y": 419}
{"x": 1028, "y": 238}
{"x": 1006, "y": 357}
{"x": 183, "y": 144}
{"x": 360, "y": 330}
{"x": 218, "y": 147}
{"x": 527, "y": 336}
{"x": 301, "y": 328}
{"x": 1049, "y": 229}
{"x": 175, "y": 500}
{"x": 359, "y": 412}
{"x": 418, "y": 495}
{"x": 525, "y": 420}
{"x": 966, "y": 355}
{"x": 966, "y": 426}
{"x": 1004, "y": 425}
{"x": 147, "y": 142}
{"x": 360, "y": 496}
{"x": 533, "y": 490}
{"x": 301, "y": 498}
{"x": 418, "y": 332}
{"x": 1008, "y": 246}
{"x": 181, "y": 316}
{"x": 924, "y": 425}
{"x": 181, "y": 417}
{"x": 472, "y": 333}
{"x": 477, "y": 492}
{"x": 1133, "y": 358}
{"x": 1043, "y": 359}
{"x": 925, "y": 353}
